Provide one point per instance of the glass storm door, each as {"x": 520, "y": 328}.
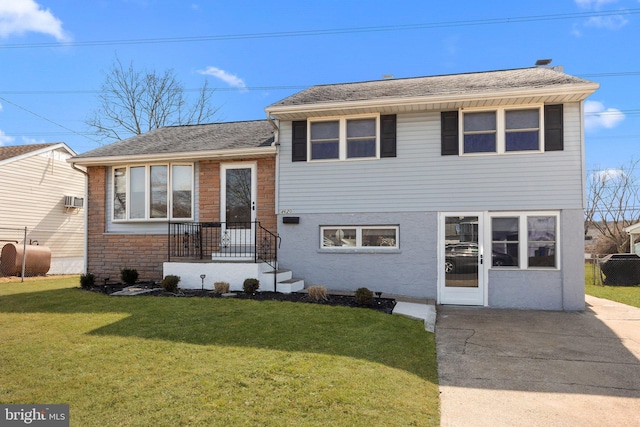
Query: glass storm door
{"x": 461, "y": 265}
{"x": 238, "y": 206}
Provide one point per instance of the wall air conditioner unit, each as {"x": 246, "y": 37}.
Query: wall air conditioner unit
{"x": 73, "y": 202}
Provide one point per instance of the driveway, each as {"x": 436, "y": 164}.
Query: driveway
{"x": 537, "y": 368}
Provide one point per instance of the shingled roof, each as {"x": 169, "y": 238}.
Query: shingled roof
{"x": 454, "y": 84}
{"x": 18, "y": 150}
{"x": 189, "y": 139}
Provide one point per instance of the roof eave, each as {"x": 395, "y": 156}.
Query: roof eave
{"x": 175, "y": 157}
{"x": 582, "y": 90}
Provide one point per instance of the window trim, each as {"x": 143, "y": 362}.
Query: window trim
{"x": 523, "y": 239}
{"x": 342, "y": 137}
{"x": 359, "y": 246}
{"x": 501, "y": 130}
{"x": 147, "y": 192}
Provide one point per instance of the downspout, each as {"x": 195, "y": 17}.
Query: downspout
{"x": 86, "y": 216}
{"x": 276, "y": 143}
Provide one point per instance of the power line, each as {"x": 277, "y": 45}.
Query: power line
{"x": 44, "y": 118}
{"x": 322, "y": 32}
{"x": 252, "y": 88}
{"x": 96, "y": 92}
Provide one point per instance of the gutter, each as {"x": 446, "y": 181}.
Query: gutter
{"x": 177, "y": 156}
{"x": 583, "y": 90}
{"x": 86, "y": 215}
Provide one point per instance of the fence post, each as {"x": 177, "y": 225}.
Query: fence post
{"x": 24, "y": 253}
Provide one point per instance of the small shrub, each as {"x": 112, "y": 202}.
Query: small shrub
{"x": 250, "y": 286}
{"x": 87, "y": 280}
{"x": 364, "y": 296}
{"x": 221, "y": 287}
{"x": 317, "y": 293}
{"x": 129, "y": 275}
{"x": 170, "y": 283}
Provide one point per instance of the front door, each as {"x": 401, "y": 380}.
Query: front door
{"x": 238, "y": 206}
{"x": 461, "y": 259}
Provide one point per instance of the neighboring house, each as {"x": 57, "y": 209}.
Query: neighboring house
{"x": 185, "y": 194}
{"x": 42, "y": 192}
{"x": 467, "y": 189}
{"x": 634, "y": 238}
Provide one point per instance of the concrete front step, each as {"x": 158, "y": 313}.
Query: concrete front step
{"x": 285, "y": 282}
{"x": 291, "y": 285}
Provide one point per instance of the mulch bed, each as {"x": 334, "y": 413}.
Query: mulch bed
{"x": 384, "y": 305}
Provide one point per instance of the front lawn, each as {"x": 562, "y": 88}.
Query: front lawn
{"x": 629, "y": 295}
{"x": 140, "y": 361}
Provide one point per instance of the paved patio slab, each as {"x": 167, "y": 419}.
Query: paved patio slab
{"x": 536, "y": 368}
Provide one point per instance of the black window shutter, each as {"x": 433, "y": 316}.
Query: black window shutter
{"x": 299, "y": 141}
{"x": 553, "y": 128}
{"x": 388, "y": 136}
{"x": 449, "y": 133}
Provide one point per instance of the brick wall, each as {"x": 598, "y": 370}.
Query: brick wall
{"x": 108, "y": 253}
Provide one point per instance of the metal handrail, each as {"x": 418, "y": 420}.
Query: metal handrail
{"x": 212, "y": 240}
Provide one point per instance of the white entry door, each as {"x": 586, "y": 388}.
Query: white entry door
{"x": 461, "y": 259}
{"x": 238, "y": 186}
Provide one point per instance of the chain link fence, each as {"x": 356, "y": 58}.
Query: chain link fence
{"x": 26, "y": 252}
{"x": 615, "y": 269}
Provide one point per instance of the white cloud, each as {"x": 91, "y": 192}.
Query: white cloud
{"x": 596, "y": 4}
{"x": 4, "y": 139}
{"x": 610, "y": 174}
{"x": 228, "y": 78}
{"x": 613, "y": 22}
{"x": 31, "y": 141}
{"x": 0, "y": 107}
{"x": 23, "y": 16}
{"x": 596, "y": 116}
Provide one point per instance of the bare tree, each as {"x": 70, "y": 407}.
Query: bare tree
{"x": 133, "y": 102}
{"x": 613, "y": 203}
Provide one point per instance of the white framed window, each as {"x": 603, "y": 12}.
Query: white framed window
{"x": 153, "y": 192}
{"x": 502, "y": 130}
{"x": 354, "y": 237}
{"x": 525, "y": 240}
{"x": 344, "y": 138}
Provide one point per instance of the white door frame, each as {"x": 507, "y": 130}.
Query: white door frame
{"x": 238, "y": 235}
{"x": 462, "y": 295}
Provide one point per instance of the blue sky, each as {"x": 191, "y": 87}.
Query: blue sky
{"x": 53, "y": 54}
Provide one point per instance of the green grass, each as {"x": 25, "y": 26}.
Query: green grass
{"x": 629, "y": 295}
{"x": 140, "y": 361}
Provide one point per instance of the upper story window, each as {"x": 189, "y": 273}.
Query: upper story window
{"x": 344, "y": 138}
{"x": 148, "y": 192}
{"x": 501, "y": 131}
{"x": 530, "y": 129}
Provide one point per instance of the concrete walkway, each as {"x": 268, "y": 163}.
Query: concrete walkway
{"x": 533, "y": 368}
{"x": 419, "y": 311}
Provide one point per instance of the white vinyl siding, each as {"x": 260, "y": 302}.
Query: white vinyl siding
{"x": 32, "y": 195}
{"x": 421, "y": 179}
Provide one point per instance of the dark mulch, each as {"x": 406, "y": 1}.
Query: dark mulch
{"x": 384, "y": 305}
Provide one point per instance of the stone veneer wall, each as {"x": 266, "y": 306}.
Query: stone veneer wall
{"x": 108, "y": 253}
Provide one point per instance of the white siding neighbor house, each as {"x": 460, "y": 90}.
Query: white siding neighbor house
{"x": 45, "y": 194}
{"x": 466, "y": 189}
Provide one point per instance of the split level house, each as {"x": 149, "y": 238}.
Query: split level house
{"x": 43, "y": 208}
{"x": 466, "y": 189}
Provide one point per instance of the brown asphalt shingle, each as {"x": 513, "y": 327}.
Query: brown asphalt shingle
{"x": 454, "y": 84}
{"x": 191, "y": 138}
{"x": 18, "y": 150}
